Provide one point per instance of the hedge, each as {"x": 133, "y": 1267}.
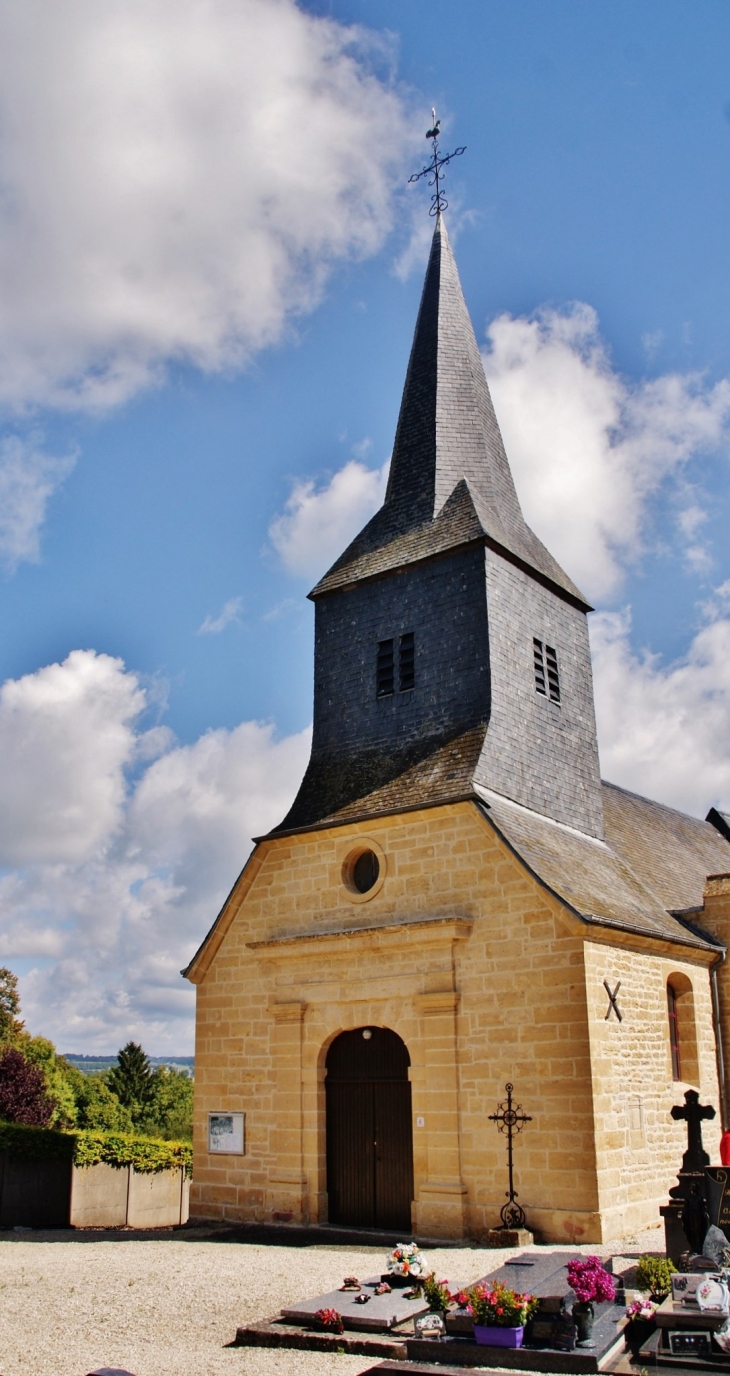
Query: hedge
{"x": 84, "y": 1147}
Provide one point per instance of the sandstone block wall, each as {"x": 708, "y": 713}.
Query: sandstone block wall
{"x": 486, "y": 978}
{"x": 638, "y": 1145}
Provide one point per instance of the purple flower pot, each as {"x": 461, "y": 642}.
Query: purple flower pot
{"x": 498, "y": 1337}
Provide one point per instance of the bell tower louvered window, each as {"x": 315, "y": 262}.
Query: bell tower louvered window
{"x": 547, "y": 677}
{"x": 390, "y": 672}
{"x": 385, "y": 672}
{"x": 407, "y": 662}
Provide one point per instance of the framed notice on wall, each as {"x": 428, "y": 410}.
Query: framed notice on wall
{"x": 226, "y": 1133}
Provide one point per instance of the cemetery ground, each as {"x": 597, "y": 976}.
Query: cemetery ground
{"x": 167, "y": 1303}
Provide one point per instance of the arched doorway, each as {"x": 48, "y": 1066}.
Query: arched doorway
{"x": 369, "y": 1130}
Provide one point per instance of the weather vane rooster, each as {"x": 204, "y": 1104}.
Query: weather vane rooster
{"x": 432, "y": 170}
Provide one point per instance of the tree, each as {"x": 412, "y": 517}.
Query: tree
{"x": 40, "y": 1052}
{"x": 170, "y": 1114}
{"x": 96, "y": 1106}
{"x": 10, "y": 1024}
{"x": 23, "y": 1097}
{"x": 132, "y": 1081}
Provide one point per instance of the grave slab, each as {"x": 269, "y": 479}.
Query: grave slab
{"x": 381, "y": 1312}
{"x": 392, "y": 1334}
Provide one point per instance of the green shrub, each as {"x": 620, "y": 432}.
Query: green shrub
{"x": 655, "y": 1275}
{"x": 35, "y": 1144}
{"x": 147, "y": 1155}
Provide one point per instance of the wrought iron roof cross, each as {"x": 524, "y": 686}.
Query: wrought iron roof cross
{"x": 510, "y": 1119}
{"x": 432, "y": 170}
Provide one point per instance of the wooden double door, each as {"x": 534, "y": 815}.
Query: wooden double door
{"x": 369, "y": 1130}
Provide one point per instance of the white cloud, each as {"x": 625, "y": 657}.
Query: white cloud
{"x": 66, "y": 735}
{"x": 230, "y": 614}
{"x": 116, "y": 880}
{"x": 178, "y": 178}
{"x": 664, "y": 729}
{"x": 28, "y": 479}
{"x": 581, "y": 438}
{"x": 319, "y": 522}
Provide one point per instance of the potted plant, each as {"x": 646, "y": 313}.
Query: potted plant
{"x": 436, "y": 1293}
{"x": 655, "y": 1275}
{"x": 589, "y": 1281}
{"x": 641, "y": 1324}
{"x": 499, "y": 1314}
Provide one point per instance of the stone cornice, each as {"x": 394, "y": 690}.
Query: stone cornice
{"x": 433, "y": 931}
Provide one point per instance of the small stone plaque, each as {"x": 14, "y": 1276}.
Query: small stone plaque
{"x": 379, "y": 1314}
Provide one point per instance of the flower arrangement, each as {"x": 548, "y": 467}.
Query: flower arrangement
{"x": 436, "y": 1293}
{"x": 590, "y": 1280}
{"x": 330, "y": 1320}
{"x": 407, "y": 1260}
{"x": 498, "y": 1306}
{"x": 641, "y": 1309}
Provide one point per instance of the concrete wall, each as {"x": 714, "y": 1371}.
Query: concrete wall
{"x": 104, "y": 1196}
{"x": 487, "y": 979}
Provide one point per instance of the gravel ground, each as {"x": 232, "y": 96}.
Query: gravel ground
{"x": 168, "y": 1303}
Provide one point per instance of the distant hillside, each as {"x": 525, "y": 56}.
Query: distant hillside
{"x": 91, "y": 1064}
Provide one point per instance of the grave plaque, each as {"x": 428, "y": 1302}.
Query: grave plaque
{"x": 718, "y": 1196}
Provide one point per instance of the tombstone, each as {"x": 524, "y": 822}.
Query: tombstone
{"x": 686, "y": 1217}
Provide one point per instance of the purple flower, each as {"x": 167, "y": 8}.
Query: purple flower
{"x": 590, "y": 1281}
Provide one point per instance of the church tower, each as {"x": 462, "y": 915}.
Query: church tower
{"x": 451, "y": 650}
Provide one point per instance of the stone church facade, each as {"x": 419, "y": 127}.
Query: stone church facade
{"x": 455, "y": 900}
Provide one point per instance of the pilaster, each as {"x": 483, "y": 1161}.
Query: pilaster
{"x": 287, "y": 1181}
{"x": 441, "y": 1204}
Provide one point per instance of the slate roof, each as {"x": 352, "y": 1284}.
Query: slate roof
{"x": 450, "y": 482}
{"x": 651, "y": 866}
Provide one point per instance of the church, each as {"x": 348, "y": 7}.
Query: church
{"x": 456, "y": 901}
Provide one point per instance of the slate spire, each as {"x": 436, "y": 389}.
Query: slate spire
{"x": 447, "y": 428}
{"x": 449, "y": 475}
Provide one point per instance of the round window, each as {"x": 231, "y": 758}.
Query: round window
{"x": 365, "y": 871}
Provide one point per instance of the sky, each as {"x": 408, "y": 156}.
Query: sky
{"x": 210, "y": 266}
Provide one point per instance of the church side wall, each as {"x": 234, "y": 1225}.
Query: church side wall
{"x": 490, "y": 987}
{"x": 540, "y": 753}
{"x": 638, "y": 1145}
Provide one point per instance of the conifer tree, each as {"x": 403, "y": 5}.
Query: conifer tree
{"x": 131, "y": 1079}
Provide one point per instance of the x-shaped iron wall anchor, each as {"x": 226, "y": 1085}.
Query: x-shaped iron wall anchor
{"x": 612, "y": 1004}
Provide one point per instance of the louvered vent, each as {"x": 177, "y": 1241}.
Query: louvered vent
{"x": 547, "y": 678}
{"x": 385, "y": 672}
{"x": 552, "y": 674}
{"x": 539, "y": 667}
{"x": 407, "y": 662}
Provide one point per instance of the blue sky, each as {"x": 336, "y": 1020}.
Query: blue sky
{"x": 211, "y": 265}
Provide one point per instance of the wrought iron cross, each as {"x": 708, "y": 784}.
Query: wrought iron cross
{"x": 612, "y": 1004}
{"x": 432, "y": 170}
{"x": 510, "y": 1119}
